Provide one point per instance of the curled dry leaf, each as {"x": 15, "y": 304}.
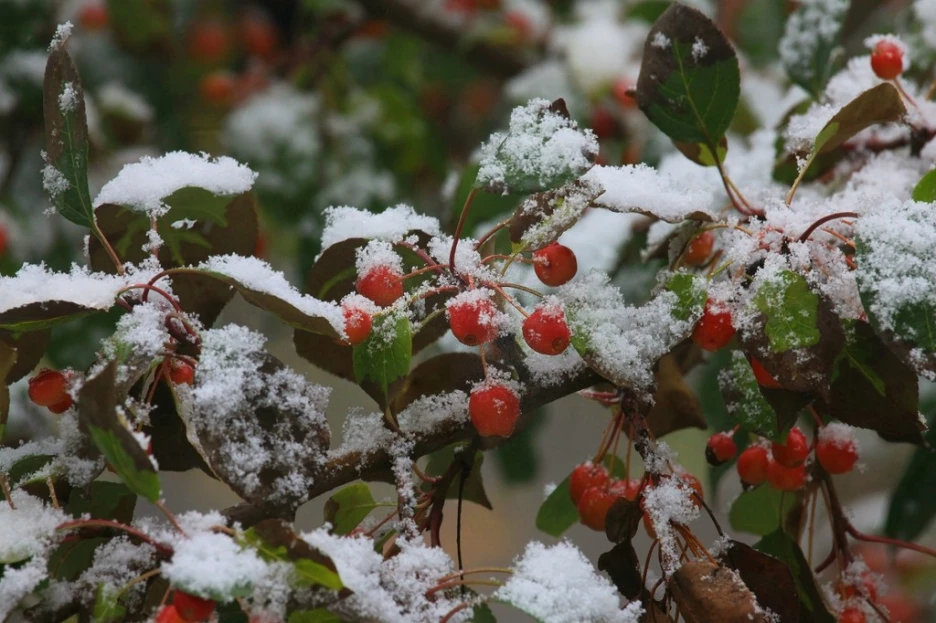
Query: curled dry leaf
{"x": 708, "y": 593}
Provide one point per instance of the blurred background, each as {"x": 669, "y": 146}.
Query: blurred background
{"x": 370, "y": 103}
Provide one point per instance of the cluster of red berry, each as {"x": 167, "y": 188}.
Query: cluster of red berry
{"x": 186, "y": 608}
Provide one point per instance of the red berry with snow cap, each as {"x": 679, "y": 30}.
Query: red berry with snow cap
{"x": 381, "y": 284}
{"x": 785, "y": 478}
{"x": 721, "y": 447}
{"x": 555, "y": 264}
{"x": 494, "y": 409}
{"x": 48, "y": 388}
{"x": 594, "y": 505}
{"x": 192, "y": 608}
{"x": 794, "y": 451}
{"x": 699, "y": 249}
{"x": 836, "y": 450}
{"x": 714, "y": 328}
{"x": 358, "y": 323}
{"x": 473, "y": 318}
{"x": 546, "y": 331}
{"x": 752, "y": 465}
{"x": 887, "y": 60}
{"x": 586, "y": 476}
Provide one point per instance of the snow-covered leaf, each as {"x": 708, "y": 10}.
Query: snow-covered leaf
{"x": 770, "y": 579}
{"x": 107, "y": 606}
{"x": 689, "y": 84}
{"x": 385, "y": 356}
{"x": 746, "y": 403}
{"x": 811, "y": 36}
{"x": 97, "y": 409}
{"x": 644, "y": 190}
{"x": 65, "y": 176}
{"x": 713, "y": 593}
{"x": 925, "y": 190}
{"x": 691, "y": 292}
{"x": 347, "y": 508}
{"x": 791, "y": 309}
{"x": 42, "y": 315}
{"x": 275, "y": 540}
{"x": 761, "y": 510}
{"x": 544, "y": 216}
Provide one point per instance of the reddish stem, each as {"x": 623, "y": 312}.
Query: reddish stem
{"x": 870, "y": 538}
{"x": 461, "y": 225}
{"x": 825, "y": 219}
{"x": 116, "y": 525}
{"x": 146, "y": 286}
{"x": 491, "y": 233}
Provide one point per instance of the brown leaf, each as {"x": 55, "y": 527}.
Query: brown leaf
{"x": 171, "y": 446}
{"x": 676, "y": 405}
{"x": 767, "y": 577}
{"x": 7, "y": 362}
{"x": 881, "y": 104}
{"x": 707, "y": 593}
{"x": 440, "y": 374}
{"x": 623, "y": 520}
{"x": 42, "y": 315}
{"x": 30, "y": 347}
{"x": 623, "y": 567}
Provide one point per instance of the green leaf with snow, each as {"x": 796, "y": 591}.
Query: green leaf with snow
{"x": 691, "y": 294}
{"x": 809, "y": 40}
{"x": 103, "y": 500}
{"x": 65, "y": 175}
{"x": 791, "y": 309}
{"x": 107, "y": 606}
{"x": 97, "y": 412}
{"x": 347, "y": 508}
{"x": 689, "y": 84}
{"x": 761, "y": 510}
{"x": 275, "y": 540}
{"x": 746, "y": 403}
{"x": 72, "y": 558}
{"x": 925, "y": 190}
{"x": 385, "y": 356}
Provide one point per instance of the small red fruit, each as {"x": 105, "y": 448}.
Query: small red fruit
{"x": 48, "y": 388}
{"x": 603, "y": 123}
{"x": 258, "y": 35}
{"x": 594, "y": 505}
{"x": 762, "y": 376}
{"x": 94, "y": 16}
{"x": 181, "y": 373}
{"x": 61, "y": 407}
{"x": 555, "y": 264}
{"x": 852, "y": 615}
{"x": 381, "y": 284}
{"x": 217, "y": 88}
{"x": 699, "y": 249}
{"x": 714, "y": 328}
{"x": 752, "y": 465}
{"x": 494, "y": 409}
{"x": 192, "y": 608}
{"x": 473, "y": 320}
{"x": 887, "y": 60}
{"x": 836, "y": 449}
{"x": 208, "y": 41}
{"x": 169, "y": 614}
{"x": 794, "y": 451}
{"x": 721, "y": 447}
{"x": 358, "y": 323}
{"x": 4, "y": 240}
{"x": 546, "y": 331}
{"x": 621, "y": 94}
{"x": 785, "y": 478}
{"x": 586, "y": 476}
{"x": 520, "y": 24}
{"x": 627, "y": 489}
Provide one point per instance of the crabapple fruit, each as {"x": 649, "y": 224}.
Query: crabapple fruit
{"x": 546, "y": 331}
{"x": 794, "y": 451}
{"x": 473, "y": 321}
{"x": 382, "y": 284}
{"x": 887, "y": 60}
{"x": 714, "y": 328}
{"x": 721, "y": 447}
{"x": 586, "y": 476}
{"x": 555, "y": 264}
{"x": 494, "y": 409}
{"x": 752, "y": 465}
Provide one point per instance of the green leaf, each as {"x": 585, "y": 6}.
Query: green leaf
{"x": 925, "y": 190}
{"x": 319, "y": 615}
{"x": 761, "y": 510}
{"x": 41, "y": 315}
{"x": 759, "y": 29}
{"x": 482, "y": 614}
{"x": 691, "y": 293}
{"x": 385, "y": 356}
{"x": 107, "y": 608}
{"x": 66, "y": 136}
{"x": 347, "y": 508}
{"x": 275, "y": 540}
{"x": 473, "y": 490}
{"x": 811, "y": 36}
{"x": 689, "y": 84}
{"x": 791, "y": 309}
{"x": 72, "y": 558}
{"x": 781, "y": 545}
{"x": 97, "y": 412}
{"x": 27, "y": 466}
{"x": 912, "y": 504}
{"x": 104, "y": 500}
{"x": 647, "y": 11}
{"x": 557, "y": 513}
{"x": 745, "y": 402}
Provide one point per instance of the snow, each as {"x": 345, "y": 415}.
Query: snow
{"x": 640, "y": 188}
{"x": 839, "y": 435}
{"x": 660, "y": 41}
{"x": 362, "y": 433}
{"x": 117, "y": 562}
{"x": 428, "y": 413}
{"x": 377, "y": 253}
{"x": 68, "y": 99}
{"x": 699, "y": 49}
{"x": 567, "y": 204}
{"x": 117, "y": 98}
{"x": 35, "y": 283}
{"x": 391, "y": 225}
{"x": 144, "y": 185}
{"x": 62, "y": 33}
{"x": 558, "y": 584}
{"x": 257, "y": 275}
{"x": 815, "y": 23}
{"x": 29, "y": 529}
{"x": 18, "y": 582}
{"x": 540, "y": 144}
{"x": 53, "y": 181}
{"x": 670, "y": 501}
{"x": 212, "y": 565}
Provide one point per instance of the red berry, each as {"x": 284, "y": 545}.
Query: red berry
{"x": 192, "y": 608}
{"x": 208, "y": 41}
{"x": 603, "y": 123}
{"x": 181, "y": 373}
{"x": 381, "y": 284}
{"x": 627, "y": 489}
{"x": 94, "y": 16}
{"x": 714, "y": 328}
{"x": 555, "y": 264}
{"x": 621, "y": 94}
{"x": 546, "y": 331}
{"x": 586, "y": 476}
{"x": 721, "y": 447}
{"x": 762, "y": 376}
{"x": 752, "y": 465}
{"x": 4, "y": 240}
{"x": 358, "y": 323}
{"x": 473, "y": 319}
{"x": 520, "y": 24}
{"x": 852, "y": 615}
{"x": 887, "y": 60}
{"x": 61, "y": 407}
{"x": 785, "y": 478}
{"x": 863, "y": 586}
{"x": 594, "y": 505}
{"x": 699, "y": 249}
{"x": 494, "y": 409}
{"x": 836, "y": 449}
{"x": 217, "y": 89}
{"x": 169, "y": 614}
{"x": 258, "y": 35}
{"x": 794, "y": 451}
{"x": 48, "y": 388}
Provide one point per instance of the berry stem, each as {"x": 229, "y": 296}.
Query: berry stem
{"x": 464, "y": 572}
{"x": 108, "y": 248}
{"x": 508, "y": 298}
{"x": 461, "y": 225}
{"x": 491, "y": 233}
{"x": 419, "y": 271}
{"x": 161, "y": 505}
{"x": 825, "y": 219}
{"x": 146, "y": 286}
{"x": 517, "y": 286}
{"x": 5, "y": 486}
{"x": 448, "y": 615}
{"x": 453, "y": 583}
{"x": 516, "y": 257}
{"x": 870, "y": 538}
{"x": 116, "y": 525}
